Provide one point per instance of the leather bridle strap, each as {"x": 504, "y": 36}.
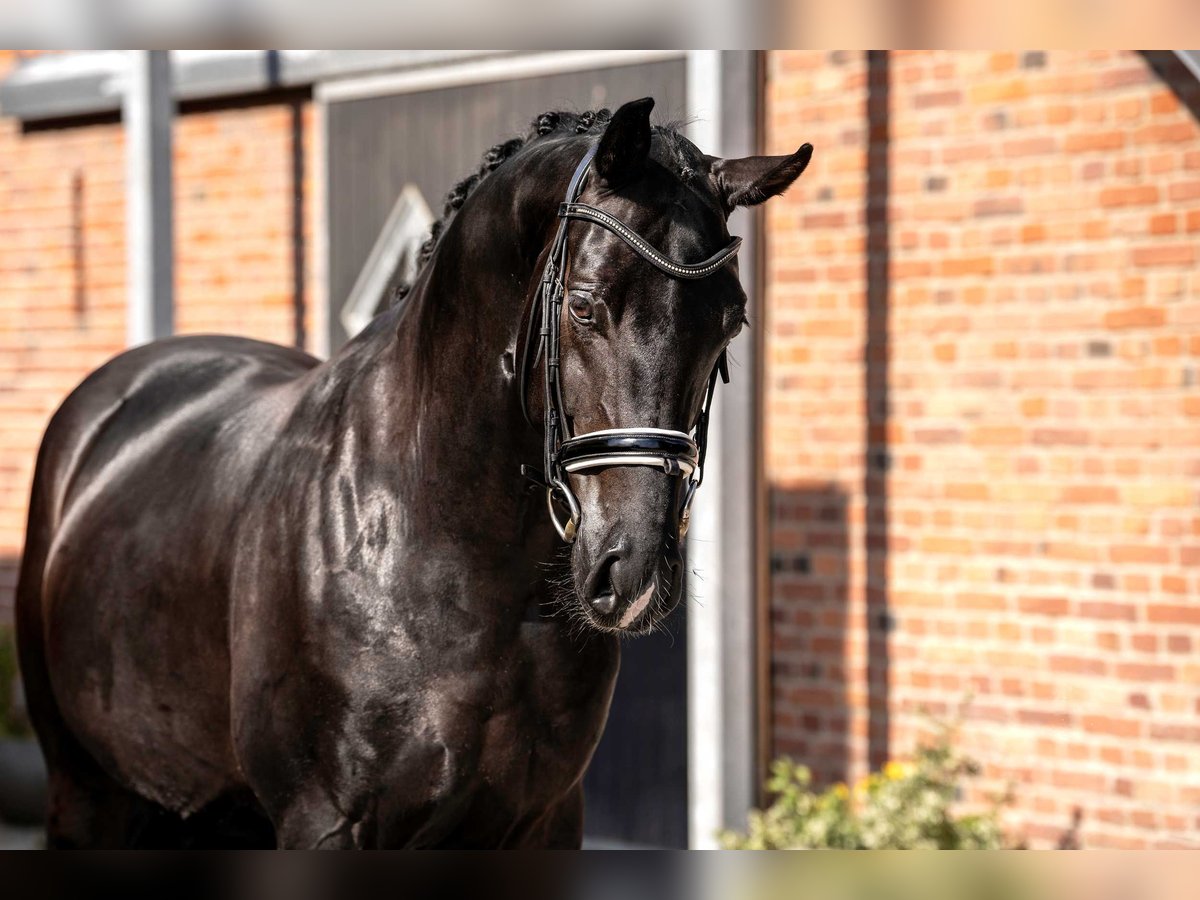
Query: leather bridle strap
{"x": 643, "y": 249}
{"x": 555, "y": 256}
{"x": 676, "y": 453}
{"x": 662, "y": 448}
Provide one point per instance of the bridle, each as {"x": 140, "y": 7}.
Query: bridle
{"x": 676, "y": 453}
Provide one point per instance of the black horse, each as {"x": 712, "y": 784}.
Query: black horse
{"x": 271, "y": 600}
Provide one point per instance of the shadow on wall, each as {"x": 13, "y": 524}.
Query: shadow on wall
{"x": 810, "y": 573}
{"x": 816, "y": 628}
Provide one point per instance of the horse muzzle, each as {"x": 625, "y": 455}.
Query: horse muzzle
{"x": 629, "y": 586}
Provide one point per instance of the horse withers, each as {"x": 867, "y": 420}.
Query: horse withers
{"x": 268, "y": 600}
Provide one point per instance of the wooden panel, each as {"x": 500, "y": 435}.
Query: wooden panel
{"x": 434, "y": 138}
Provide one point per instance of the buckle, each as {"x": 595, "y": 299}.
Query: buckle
{"x": 566, "y": 532}
{"x": 534, "y": 475}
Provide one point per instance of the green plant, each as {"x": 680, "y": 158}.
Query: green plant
{"x": 12, "y": 721}
{"x": 906, "y": 805}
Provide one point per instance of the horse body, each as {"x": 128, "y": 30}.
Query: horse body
{"x": 268, "y": 600}
{"x": 310, "y": 588}
{"x": 216, "y": 632}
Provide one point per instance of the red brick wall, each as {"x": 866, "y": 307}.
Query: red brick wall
{"x": 233, "y": 219}
{"x": 1028, "y": 344}
{"x": 62, "y": 260}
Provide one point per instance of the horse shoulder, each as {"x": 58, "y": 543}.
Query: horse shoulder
{"x": 134, "y": 595}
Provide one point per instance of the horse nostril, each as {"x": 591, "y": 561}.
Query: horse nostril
{"x": 599, "y": 588}
{"x": 604, "y": 604}
{"x": 600, "y": 581}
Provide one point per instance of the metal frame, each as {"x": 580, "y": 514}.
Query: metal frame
{"x": 406, "y": 228}
{"x": 762, "y": 495}
{"x": 1191, "y": 59}
{"x": 481, "y": 71}
{"x": 86, "y": 83}
{"x": 149, "y": 230}
{"x": 322, "y": 311}
{"x": 723, "y": 698}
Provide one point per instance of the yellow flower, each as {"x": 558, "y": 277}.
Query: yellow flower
{"x": 895, "y": 771}
{"x": 841, "y": 791}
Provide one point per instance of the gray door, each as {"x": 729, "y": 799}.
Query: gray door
{"x": 380, "y": 145}
{"x": 636, "y": 788}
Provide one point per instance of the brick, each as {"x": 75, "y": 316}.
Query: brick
{"x": 1168, "y": 255}
{"x": 975, "y": 265}
{"x": 1093, "y": 609}
{"x": 967, "y": 491}
{"x": 1173, "y": 584}
{"x": 1131, "y": 195}
{"x": 996, "y": 435}
{"x": 1173, "y": 613}
{"x": 1074, "y": 779}
{"x": 945, "y": 544}
{"x": 1140, "y": 553}
{"x": 1030, "y": 146}
{"x": 1014, "y": 89}
{"x": 1161, "y": 494}
{"x": 998, "y": 206}
{"x": 1163, "y": 223}
{"x": 1045, "y": 718}
{"x": 981, "y": 602}
{"x": 1094, "y": 140}
{"x": 1175, "y": 132}
{"x": 1145, "y": 672}
{"x": 1165, "y": 732}
{"x": 938, "y": 98}
{"x": 1111, "y": 725}
{"x": 1044, "y": 606}
{"x": 1034, "y": 407}
{"x": 1163, "y": 103}
{"x": 1033, "y": 233}
{"x": 1074, "y": 437}
{"x": 1089, "y": 493}
{"x": 937, "y": 435}
{"x": 1184, "y": 191}
{"x": 1077, "y": 665}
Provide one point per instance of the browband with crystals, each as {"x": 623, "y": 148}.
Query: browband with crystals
{"x": 642, "y": 247}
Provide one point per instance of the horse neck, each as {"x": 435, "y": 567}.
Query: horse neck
{"x": 438, "y": 375}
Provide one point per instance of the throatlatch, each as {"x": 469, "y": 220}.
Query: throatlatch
{"x": 676, "y": 453}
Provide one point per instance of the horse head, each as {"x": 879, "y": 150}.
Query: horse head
{"x": 636, "y": 335}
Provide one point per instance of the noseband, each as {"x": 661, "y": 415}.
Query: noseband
{"x": 676, "y": 453}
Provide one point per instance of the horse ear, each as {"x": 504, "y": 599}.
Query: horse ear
{"x": 753, "y": 179}
{"x": 626, "y": 142}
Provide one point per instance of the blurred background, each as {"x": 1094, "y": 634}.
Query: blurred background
{"x": 960, "y": 458}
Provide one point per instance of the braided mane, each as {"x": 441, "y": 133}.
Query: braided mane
{"x": 554, "y": 122}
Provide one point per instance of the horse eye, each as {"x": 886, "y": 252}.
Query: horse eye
{"x": 581, "y": 308}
